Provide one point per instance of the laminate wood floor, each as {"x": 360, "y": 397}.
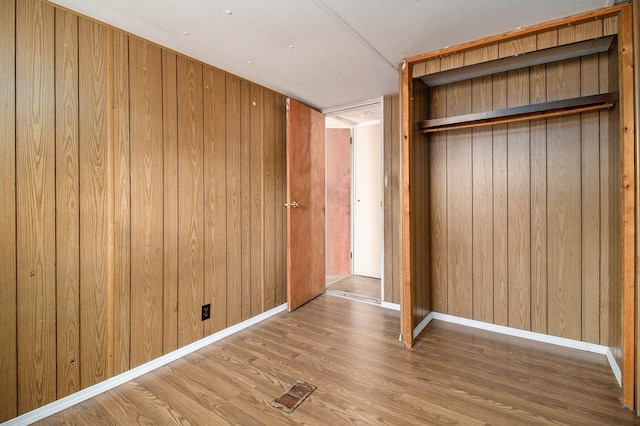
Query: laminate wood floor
{"x": 357, "y": 285}
{"x": 350, "y": 351}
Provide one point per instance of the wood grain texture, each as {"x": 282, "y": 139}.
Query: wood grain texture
{"x": 67, "y": 205}
{"x": 338, "y": 210}
{"x": 270, "y": 285}
{"x": 245, "y": 199}
{"x": 500, "y": 208}
{"x": 190, "y": 201}
{"x": 420, "y": 216}
{"x": 170, "y": 242}
{"x": 233, "y": 203}
{"x": 564, "y": 226}
{"x": 8, "y": 283}
{"x": 122, "y": 205}
{"x": 499, "y": 379}
{"x": 111, "y": 152}
{"x": 281, "y": 217}
{"x": 538, "y": 250}
{"x": 94, "y": 203}
{"x": 439, "y": 220}
{"x": 538, "y": 162}
{"x": 517, "y": 46}
{"x": 256, "y": 225}
{"x": 459, "y": 205}
{"x": 305, "y": 184}
{"x": 460, "y": 223}
{"x": 628, "y": 155}
{"x": 518, "y": 205}
{"x": 35, "y": 204}
{"x": 563, "y": 204}
{"x": 590, "y": 181}
{"x": 145, "y": 73}
{"x": 606, "y": 206}
{"x": 215, "y": 262}
{"x": 482, "y": 198}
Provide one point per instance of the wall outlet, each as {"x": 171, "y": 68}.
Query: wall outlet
{"x": 206, "y": 311}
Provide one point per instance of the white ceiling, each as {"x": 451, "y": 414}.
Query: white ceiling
{"x": 326, "y": 53}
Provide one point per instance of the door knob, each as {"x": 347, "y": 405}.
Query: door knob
{"x": 292, "y": 204}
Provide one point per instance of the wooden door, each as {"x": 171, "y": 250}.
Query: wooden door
{"x": 305, "y": 204}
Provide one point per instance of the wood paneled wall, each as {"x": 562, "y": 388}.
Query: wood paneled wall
{"x": 525, "y": 219}
{"x": 392, "y": 200}
{"x": 137, "y": 185}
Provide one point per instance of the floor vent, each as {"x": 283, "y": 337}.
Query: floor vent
{"x": 293, "y": 397}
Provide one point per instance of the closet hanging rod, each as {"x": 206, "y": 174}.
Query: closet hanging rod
{"x": 521, "y": 113}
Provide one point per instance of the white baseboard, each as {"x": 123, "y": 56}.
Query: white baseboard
{"x": 538, "y": 337}
{"x": 392, "y": 306}
{"x": 425, "y": 321}
{"x": 614, "y": 366}
{"x": 90, "y": 392}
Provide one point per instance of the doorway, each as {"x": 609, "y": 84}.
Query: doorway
{"x": 354, "y": 201}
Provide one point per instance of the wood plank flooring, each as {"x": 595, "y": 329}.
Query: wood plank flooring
{"x": 356, "y": 285}
{"x": 350, "y": 351}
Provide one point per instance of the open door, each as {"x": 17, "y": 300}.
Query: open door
{"x": 305, "y": 204}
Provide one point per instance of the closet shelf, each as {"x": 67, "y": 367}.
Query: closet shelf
{"x": 538, "y": 57}
{"x": 521, "y": 113}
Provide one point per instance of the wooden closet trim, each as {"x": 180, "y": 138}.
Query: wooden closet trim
{"x": 515, "y": 34}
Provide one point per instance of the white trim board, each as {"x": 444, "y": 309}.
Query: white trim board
{"x": 90, "y": 392}
{"x": 388, "y": 305}
{"x": 530, "y": 335}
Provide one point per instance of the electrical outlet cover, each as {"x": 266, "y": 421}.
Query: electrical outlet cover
{"x": 206, "y": 311}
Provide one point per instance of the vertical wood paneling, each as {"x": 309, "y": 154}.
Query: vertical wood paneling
{"x": 482, "y": 99}
{"x": 67, "y": 205}
{"x": 215, "y": 199}
{"x": 539, "y": 311}
{"x": 8, "y": 306}
{"x": 500, "y": 214}
{"x": 145, "y": 73}
{"x": 518, "y": 205}
{"x": 438, "y": 216}
{"x": 459, "y": 219}
{"x": 590, "y": 180}
{"x": 564, "y": 225}
{"x": 538, "y": 161}
{"x": 234, "y": 202}
{"x": 518, "y": 226}
{"x": 190, "y": 201}
{"x": 256, "y": 225}
{"x": 245, "y": 198}
{"x": 8, "y": 309}
{"x": 94, "y": 203}
{"x": 124, "y": 181}
{"x": 278, "y": 119}
{"x": 269, "y": 196}
{"x": 170, "y": 200}
{"x": 459, "y": 204}
{"x": 122, "y": 205}
{"x": 564, "y": 206}
{"x": 35, "y": 204}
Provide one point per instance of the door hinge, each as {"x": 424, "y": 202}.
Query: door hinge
{"x": 351, "y": 255}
